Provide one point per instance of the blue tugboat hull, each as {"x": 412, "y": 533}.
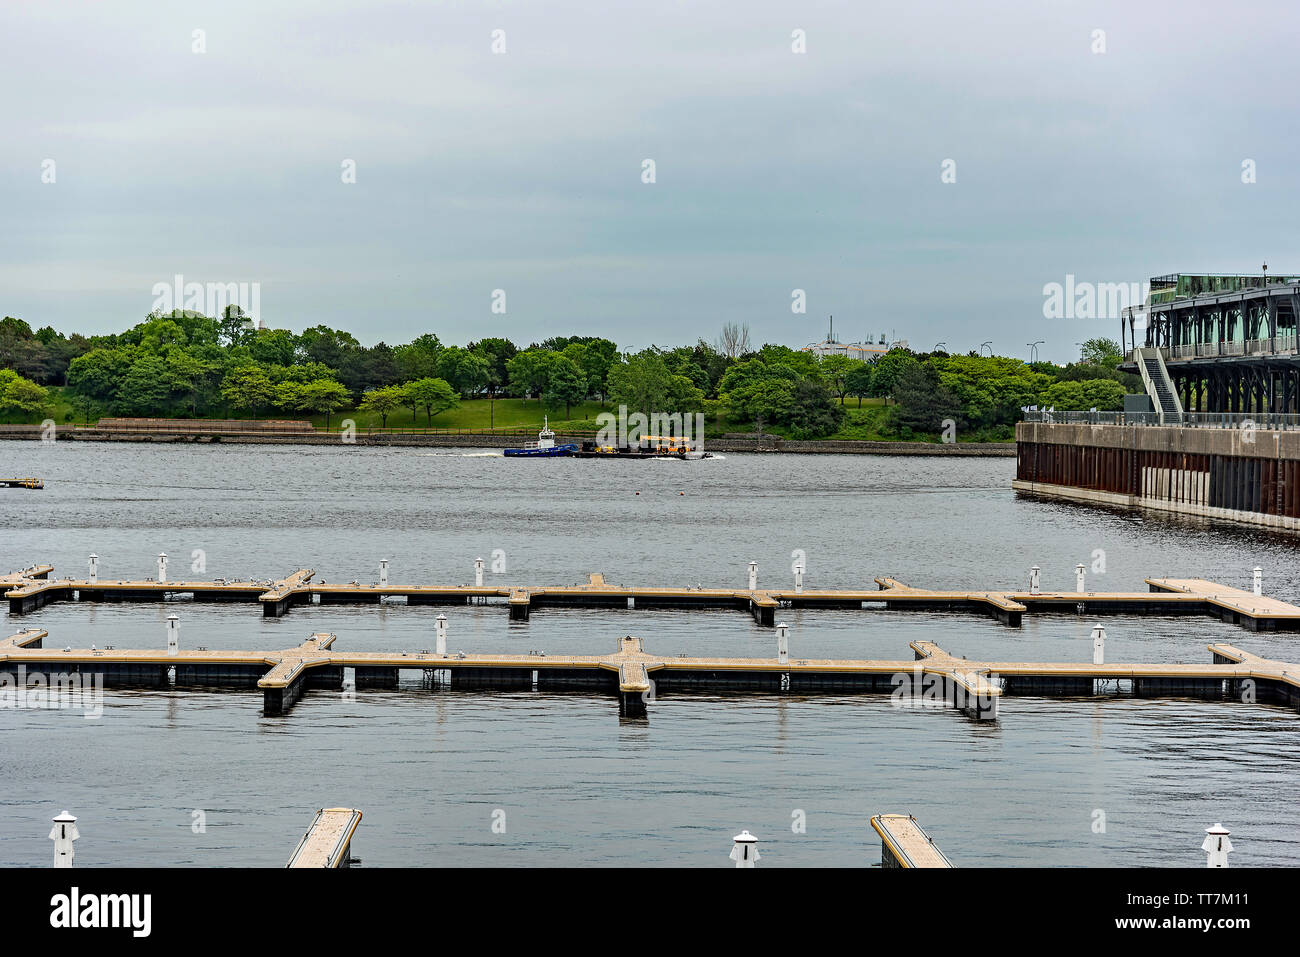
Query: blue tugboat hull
{"x": 556, "y": 452}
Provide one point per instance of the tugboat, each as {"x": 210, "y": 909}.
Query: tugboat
{"x": 545, "y": 446}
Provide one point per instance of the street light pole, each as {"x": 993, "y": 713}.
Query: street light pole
{"x": 989, "y": 343}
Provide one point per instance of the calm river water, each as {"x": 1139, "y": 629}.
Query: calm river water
{"x": 575, "y": 784}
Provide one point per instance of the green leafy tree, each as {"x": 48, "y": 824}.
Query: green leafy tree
{"x": 1105, "y": 395}
{"x": 466, "y": 372}
{"x": 157, "y": 335}
{"x": 803, "y": 363}
{"x": 248, "y": 387}
{"x": 497, "y": 353}
{"x": 858, "y": 381}
{"x": 597, "y": 358}
{"x": 814, "y": 413}
{"x": 433, "y": 395}
{"x": 888, "y": 369}
{"x": 835, "y": 373}
{"x": 272, "y": 346}
{"x": 1102, "y": 352}
{"x": 188, "y": 379}
{"x": 382, "y": 402}
{"x": 923, "y": 401}
{"x": 769, "y": 400}
{"x": 20, "y": 396}
{"x": 97, "y": 375}
{"x": 643, "y": 383}
{"x": 419, "y": 358}
{"x": 324, "y": 396}
{"x": 289, "y": 395}
{"x": 991, "y": 389}
{"x": 234, "y": 325}
{"x": 529, "y": 370}
{"x": 566, "y": 385}
{"x": 145, "y": 389}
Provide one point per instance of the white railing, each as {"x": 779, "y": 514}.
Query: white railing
{"x": 1277, "y": 345}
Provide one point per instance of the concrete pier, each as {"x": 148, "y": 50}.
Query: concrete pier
{"x": 1246, "y": 475}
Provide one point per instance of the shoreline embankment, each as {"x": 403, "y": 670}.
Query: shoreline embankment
{"x": 200, "y": 434}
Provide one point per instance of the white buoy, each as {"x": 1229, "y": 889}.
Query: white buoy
{"x": 753, "y": 576}
{"x": 173, "y": 635}
{"x": 1098, "y": 645}
{"x": 94, "y": 568}
{"x": 1078, "y": 577}
{"x": 1035, "y": 580}
{"x": 1216, "y": 846}
{"x": 1259, "y": 580}
{"x": 63, "y": 834}
{"x": 441, "y": 646}
{"x": 783, "y": 643}
{"x": 745, "y": 849}
{"x": 383, "y": 571}
{"x": 162, "y": 566}
{"x": 478, "y": 572}
{"x": 798, "y": 579}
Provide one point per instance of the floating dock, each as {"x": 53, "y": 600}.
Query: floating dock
{"x": 904, "y": 843}
{"x": 933, "y": 678}
{"x": 33, "y": 588}
{"x": 328, "y": 842}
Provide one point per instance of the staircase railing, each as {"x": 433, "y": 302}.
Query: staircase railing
{"x": 1158, "y": 384}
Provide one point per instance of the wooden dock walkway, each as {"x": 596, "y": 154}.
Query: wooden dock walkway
{"x": 904, "y": 843}
{"x": 933, "y": 678}
{"x": 328, "y": 841}
{"x": 33, "y": 588}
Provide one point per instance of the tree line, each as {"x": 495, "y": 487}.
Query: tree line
{"x": 184, "y": 364}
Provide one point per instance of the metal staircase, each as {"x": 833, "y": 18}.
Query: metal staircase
{"x": 1159, "y": 386}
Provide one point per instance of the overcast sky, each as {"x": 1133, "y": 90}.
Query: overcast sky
{"x": 522, "y": 170}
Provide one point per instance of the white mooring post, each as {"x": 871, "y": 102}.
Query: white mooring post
{"x": 383, "y": 571}
{"x": 162, "y": 566}
{"x": 783, "y": 643}
{"x": 94, "y": 568}
{"x": 1216, "y": 846}
{"x": 798, "y": 579}
{"x": 173, "y": 635}
{"x": 753, "y": 576}
{"x": 1035, "y": 580}
{"x": 1098, "y": 645}
{"x": 745, "y": 849}
{"x": 1078, "y": 577}
{"x": 478, "y": 572}
{"x": 1259, "y": 580}
{"x": 63, "y": 834}
{"x": 441, "y": 646}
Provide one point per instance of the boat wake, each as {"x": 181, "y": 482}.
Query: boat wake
{"x": 459, "y": 455}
